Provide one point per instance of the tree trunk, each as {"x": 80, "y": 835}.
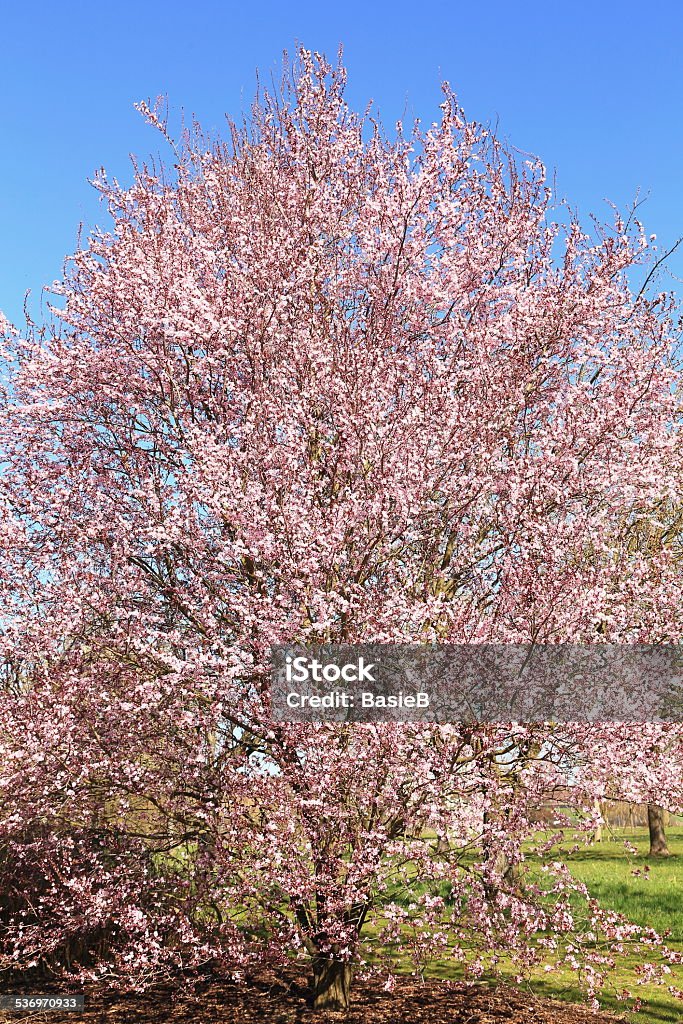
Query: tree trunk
{"x": 502, "y": 869}
{"x": 597, "y": 832}
{"x": 442, "y": 845}
{"x": 331, "y": 983}
{"x": 655, "y": 823}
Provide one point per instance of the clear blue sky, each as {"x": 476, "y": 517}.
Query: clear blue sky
{"x": 595, "y": 89}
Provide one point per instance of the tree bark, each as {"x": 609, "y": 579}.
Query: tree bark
{"x": 655, "y": 824}
{"x": 331, "y": 983}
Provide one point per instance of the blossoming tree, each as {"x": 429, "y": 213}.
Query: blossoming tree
{"x": 320, "y": 385}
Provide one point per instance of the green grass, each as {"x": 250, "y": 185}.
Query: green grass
{"x": 654, "y": 900}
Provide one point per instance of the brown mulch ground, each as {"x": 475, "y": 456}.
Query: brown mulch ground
{"x": 285, "y": 1002}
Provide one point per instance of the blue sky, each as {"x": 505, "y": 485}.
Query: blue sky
{"x": 595, "y": 89}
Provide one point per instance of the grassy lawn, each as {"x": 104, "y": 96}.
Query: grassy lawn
{"x": 654, "y": 900}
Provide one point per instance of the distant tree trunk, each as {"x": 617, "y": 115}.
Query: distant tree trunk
{"x": 655, "y": 824}
{"x": 503, "y": 869}
{"x": 442, "y": 845}
{"x": 597, "y": 831}
{"x": 331, "y": 983}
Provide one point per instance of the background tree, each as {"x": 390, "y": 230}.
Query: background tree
{"x": 661, "y": 528}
